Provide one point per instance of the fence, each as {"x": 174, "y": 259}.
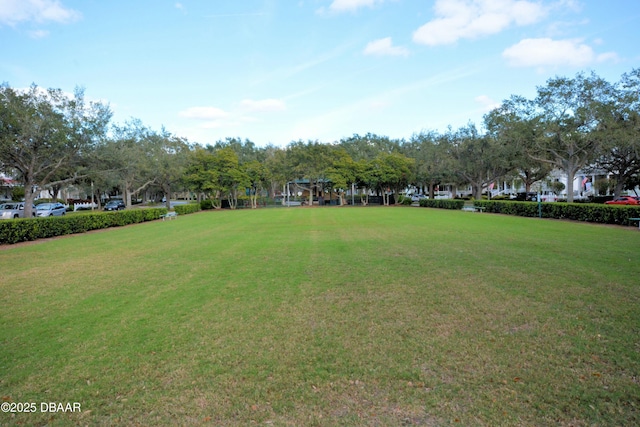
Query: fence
{"x": 83, "y": 206}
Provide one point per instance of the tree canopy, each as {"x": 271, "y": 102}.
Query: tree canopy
{"x": 44, "y": 133}
{"x": 49, "y": 139}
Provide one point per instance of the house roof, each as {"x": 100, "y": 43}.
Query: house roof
{"x": 7, "y": 182}
{"x": 306, "y": 181}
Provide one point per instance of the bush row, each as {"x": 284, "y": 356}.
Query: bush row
{"x": 442, "y": 203}
{"x": 589, "y": 212}
{"x": 403, "y": 200}
{"x": 206, "y": 204}
{"x": 22, "y": 230}
{"x": 187, "y": 209}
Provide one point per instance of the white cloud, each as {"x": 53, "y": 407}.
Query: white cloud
{"x": 547, "y": 52}
{"x": 608, "y": 57}
{"x": 378, "y": 105}
{"x": 351, "y": 5}
{"x": 571, "y": 5}
{"x": 217, "y": 118}
{"x": 181, "y": 8}
{"x": 217, "y": 124}
{"x": 486, "y": 103}
{"x": 262, "y": 106}
{"x": 203, "y": 113}
{"x": 13, "y": 12}
{"x": 469, "y": 19}
{"x": 385, "y": 47}
{"x": 38, "y": 34}
{"x": 210, "y": 117}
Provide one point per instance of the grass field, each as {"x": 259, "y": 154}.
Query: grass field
{"x": 334, "y": 316}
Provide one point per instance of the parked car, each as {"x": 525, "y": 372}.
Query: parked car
{"x": 623, "y": 200}
{"x": 527, "y": 197}
{"x": 14, "y": 210}
{"x": 114, "y": 205}
{"x": 418, "y": 197}
{"x": 51, "y": 209}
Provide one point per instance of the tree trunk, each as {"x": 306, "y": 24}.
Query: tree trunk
{"x": 54, "y": 191}
{"x": 570, "y": 175}
{"x": 129, "y": 192}
{"x": 477, "y": 191}
{"x": 96, "y": 197}
{"x": 254, "y": 199}
{"x": 311, "y": 188}
{"x": 28, "y": 199}
{"x": 216, "y": 200}
{"x": 233, "y": 199}
{"x": 127, "y": 197}
{"x": 617, "y": 190}
{"x": 364, "y": 198}
{"x": 167, "y": 196}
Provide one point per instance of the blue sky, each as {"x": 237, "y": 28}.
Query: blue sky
{"x": 274, "y": 71}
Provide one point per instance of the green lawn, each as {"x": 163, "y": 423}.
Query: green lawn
{"x": 326, "y": 316}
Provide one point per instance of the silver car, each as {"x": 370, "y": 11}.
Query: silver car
{"x": 12, "y": 210}
{"x": 51, "y": 209}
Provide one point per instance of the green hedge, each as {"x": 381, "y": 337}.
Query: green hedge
{"x": 404, "y": 200}
{"x": 187, "y": 209}
{"x": 442, "y": 203}
{"x": 206, "y": 204}
{"x": 589, "y": 212}
{"x": 22, "y": 230}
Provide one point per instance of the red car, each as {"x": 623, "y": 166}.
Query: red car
{"x": 624, "y": 200}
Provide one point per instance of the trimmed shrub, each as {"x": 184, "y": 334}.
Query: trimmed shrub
{"x": 206, "y": 204}
{"x": 454, "y": 204}
{"x": 589, "y": 212}
{"x": 403, "y": 200}
{"x": 17, "y": 194}
{"x": 187, "y": 209}
{"x": 22, "y": 230}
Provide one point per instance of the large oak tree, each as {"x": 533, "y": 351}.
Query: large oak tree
{"x": 620, "y": 134}
{"x": 568, "y": 112}
{"x": 46, "y": 132}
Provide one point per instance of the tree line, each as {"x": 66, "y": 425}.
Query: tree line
{"x": 49, "y": 140}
